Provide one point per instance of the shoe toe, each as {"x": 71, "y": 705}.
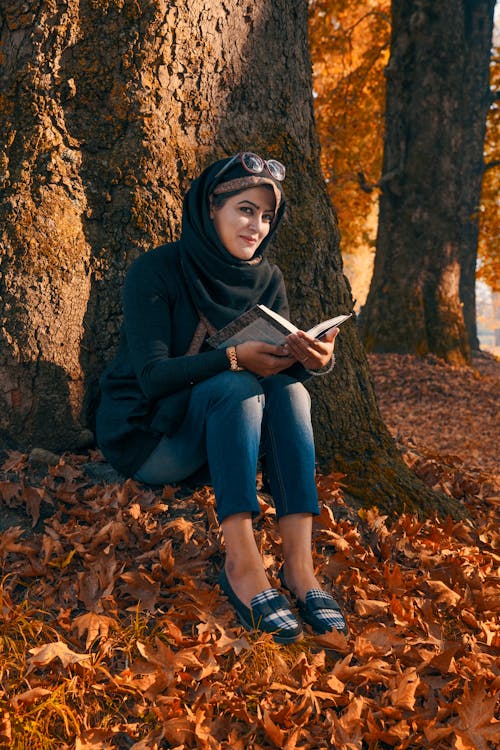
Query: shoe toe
{"x": 269, "y": 612}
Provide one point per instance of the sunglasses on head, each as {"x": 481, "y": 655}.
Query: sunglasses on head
{"x": 254, "y": 164}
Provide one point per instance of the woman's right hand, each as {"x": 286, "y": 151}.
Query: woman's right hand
{"x": 263, "y": 359}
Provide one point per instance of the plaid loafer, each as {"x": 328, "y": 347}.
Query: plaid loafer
{"x": 320, "y": 610}
{"x": 269, "y": 611}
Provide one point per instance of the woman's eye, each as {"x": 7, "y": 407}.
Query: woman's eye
{"x": 268, "y": 219}
{"x": 246, "y": 210}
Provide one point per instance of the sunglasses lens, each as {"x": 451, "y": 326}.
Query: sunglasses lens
{"x": 276, "y": 169}
{"x": 252, "y": 162}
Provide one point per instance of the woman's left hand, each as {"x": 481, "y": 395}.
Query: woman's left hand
{"x": 311, "y": 353}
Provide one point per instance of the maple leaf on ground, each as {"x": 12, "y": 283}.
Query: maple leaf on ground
{"x": 98, "y": 581}
{"x": 443, "y": 594}
{"x": 181, "y": 526}
{"x": 176, "y": 729}
{"x": 444, "y": 662}
{"x": 477, "y": 726}
{"x": 43, "y": 655}
{"x": 275, "y": 734}
{"x": 66, "y": 471}
{"x": 432, "y": 732}
{"x": 162, "y": 657}
{"x": 166, "y": 556}
{"x": 394, "y": 579}
{"x": 228, "y": 642}
{"x": 15, "y": 461}
{"x": 29, "y": 696}
{"x": 333, "y": 640}
{"x": 347, "y": 730}
{"x": 9, "y": 543}
{"x": 113, "y": 532}
{"x": 335, "y": 685}
{"x": 51, "y": 546}
{"x": 403, "y": 695}
{"x": 142, "y": 588}
{"x": 96, "y": 626}
{"x": 33, "y": 497}
{"x": 378, "y": 639}
{"x": 370, "y": 607}
{"x": 94, "y": 739}
{"x": 10, "y": 491}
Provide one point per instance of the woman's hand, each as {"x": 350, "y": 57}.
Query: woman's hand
{"x": 311, "y": 353}
{"x": 263, "y": 359}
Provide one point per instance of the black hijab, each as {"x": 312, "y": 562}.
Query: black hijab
{"x": 222, "y": 286}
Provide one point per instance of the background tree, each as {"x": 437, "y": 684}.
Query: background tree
{"x": 107, "y": 108}
{"x": 437, "y": 101}
{"x": 489, "y": 221}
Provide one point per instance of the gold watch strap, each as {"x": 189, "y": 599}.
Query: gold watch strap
{"x": 233, "y": 359}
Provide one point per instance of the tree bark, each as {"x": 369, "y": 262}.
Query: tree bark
{"x": 110, "y": 106}
{"x": 422, "y": 295}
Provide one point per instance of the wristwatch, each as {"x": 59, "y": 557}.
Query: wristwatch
{"x": 233, "y": 359}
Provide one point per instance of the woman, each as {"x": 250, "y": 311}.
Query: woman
{"x": 170, "y": 403}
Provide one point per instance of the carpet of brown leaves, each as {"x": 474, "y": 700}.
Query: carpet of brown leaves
{"x": 113, "y": 633}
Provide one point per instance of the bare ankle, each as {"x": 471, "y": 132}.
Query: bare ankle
{"x": 300, "y": 579}
{"x": 247, "y": 580}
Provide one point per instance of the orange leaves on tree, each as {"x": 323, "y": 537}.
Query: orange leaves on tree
{"x": 349, "y": 50}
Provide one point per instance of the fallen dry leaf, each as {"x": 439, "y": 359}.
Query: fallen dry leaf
{"x": 442, "y": 593}
{"x": 143, "y": 589}
{"x": 29, "y": 696}
{"x": 95, "y": 625}
{"x": 403, "y": 696}
{"x": 370, "y": 607}
{"x": 132, "y": 572}
{"x": 43, "y": 655}
{"x": 477, "y": 726}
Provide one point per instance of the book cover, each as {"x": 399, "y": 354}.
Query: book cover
{"x": 262, "y": 324}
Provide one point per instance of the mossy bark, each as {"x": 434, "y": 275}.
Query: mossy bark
{"x": 109, "y": 107}
{"x": 422, "y": 295}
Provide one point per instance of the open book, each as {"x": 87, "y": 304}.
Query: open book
{"x": 262, "y": 324}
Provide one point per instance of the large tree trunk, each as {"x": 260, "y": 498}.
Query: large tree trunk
{"x": 422, "y": 291}
{"x": 109, "y": 109}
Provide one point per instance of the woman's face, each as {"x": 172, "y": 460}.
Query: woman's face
{"x": 244, "y": 221}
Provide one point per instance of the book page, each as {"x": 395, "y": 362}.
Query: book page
{"x": 321, "y": 328}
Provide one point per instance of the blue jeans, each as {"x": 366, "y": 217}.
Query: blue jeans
{"x": 230, "y": 419}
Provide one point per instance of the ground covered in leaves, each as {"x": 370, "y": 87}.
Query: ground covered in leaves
{"x": 113, "y": 633}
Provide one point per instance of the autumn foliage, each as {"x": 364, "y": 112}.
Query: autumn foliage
{"x": 489, "y": 245}
{"x": 350, "y": 45}
{"x": 349, "y": 49}
{"x": 114, "y": 634}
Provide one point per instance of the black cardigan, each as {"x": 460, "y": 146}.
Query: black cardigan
{"x": 146, "y": 388}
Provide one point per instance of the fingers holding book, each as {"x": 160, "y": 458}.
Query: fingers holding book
{"x": 313, "y": 353}
{"x": 262, "y": 358}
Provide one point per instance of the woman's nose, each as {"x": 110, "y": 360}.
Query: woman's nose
{"x": 257, "y": 223}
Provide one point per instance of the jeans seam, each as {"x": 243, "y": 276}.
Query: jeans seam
{"x": 277, "y": 471}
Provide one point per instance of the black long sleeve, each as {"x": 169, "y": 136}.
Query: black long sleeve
{"x": 145, "y": 390}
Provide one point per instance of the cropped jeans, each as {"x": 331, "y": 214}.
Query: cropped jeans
{"x": 233, "y": 418}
